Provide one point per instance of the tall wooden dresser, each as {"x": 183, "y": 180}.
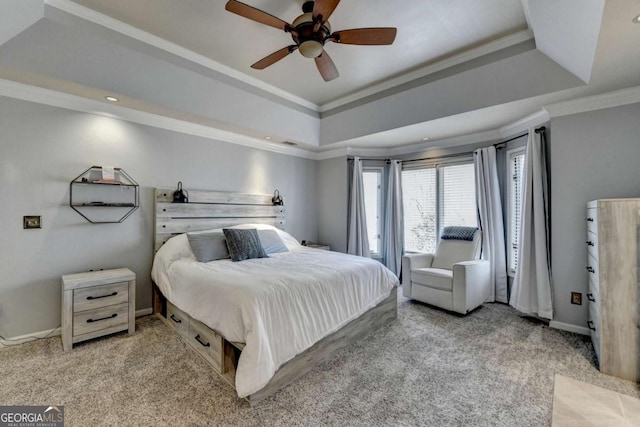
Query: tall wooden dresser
{"x": 613, "y": 241}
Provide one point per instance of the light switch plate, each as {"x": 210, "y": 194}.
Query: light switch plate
{"x": 32, "y": 221}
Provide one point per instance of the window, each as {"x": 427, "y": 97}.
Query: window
{"x": 435, "y": 197}
{"x": 515, "y": 170}
{"x": 372, "y": 178}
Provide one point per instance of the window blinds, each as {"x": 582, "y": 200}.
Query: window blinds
{"x": 419, "y": 205}
{"x": 458, "y": 196}
{"x": 373, "y": 207}
{"x": 516, "y": 168}
{"x": 433, "y": 198}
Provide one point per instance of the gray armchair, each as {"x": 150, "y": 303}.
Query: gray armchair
{"x": 454, "y": 278}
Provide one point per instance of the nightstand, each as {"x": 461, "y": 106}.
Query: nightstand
{"x": 97, "y": 303}
{"x": 319, "y": 246}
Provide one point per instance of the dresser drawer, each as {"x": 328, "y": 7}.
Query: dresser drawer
{"x": 100, "y": 296}
{"x": 592, "y": 220}
{"x": 178, "y": 320}
{"x": 594, "y": 290}
{"x": 89, "y": 321}
{"x": 592, "y": 268}
{"x": 206, "y": 342}
{"x": 594, "y": 326}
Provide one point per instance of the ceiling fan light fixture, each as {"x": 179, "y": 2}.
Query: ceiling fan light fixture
{"x": 311, "y": 48}
{"x": 636, "y": 20}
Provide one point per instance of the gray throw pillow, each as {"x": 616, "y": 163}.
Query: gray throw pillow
{"x": 208, "y": 246}
{"x": 271, "y": 242}
{"x": 243, "y": 244}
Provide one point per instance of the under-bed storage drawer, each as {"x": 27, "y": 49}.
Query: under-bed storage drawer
{"x": 206, "y": 342}
{"x": 178, "y": 320}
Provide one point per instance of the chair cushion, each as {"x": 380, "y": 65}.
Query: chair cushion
{"x": 453, "y": 251}
{"x": 438, "y": 278}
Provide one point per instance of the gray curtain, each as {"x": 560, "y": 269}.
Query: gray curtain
{"x": 357, "y": 237}
{"x": 394, "y": 227}
{"x": 531, "y": 291}
{"x": 491, "y": 223}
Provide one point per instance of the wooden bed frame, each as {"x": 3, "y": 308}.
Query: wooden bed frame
{"x": 211, "y": 209}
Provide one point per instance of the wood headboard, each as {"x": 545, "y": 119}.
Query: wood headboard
{"x": 211, "y": 209}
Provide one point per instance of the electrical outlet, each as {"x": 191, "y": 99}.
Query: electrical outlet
{"x": 576, "y": 298}
{"x": 31, "y": 222}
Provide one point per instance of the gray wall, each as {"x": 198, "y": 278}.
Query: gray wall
{"x": 332, "y": 190}
{"x": 43, "y": 148}
{"x": 594, "y": 155}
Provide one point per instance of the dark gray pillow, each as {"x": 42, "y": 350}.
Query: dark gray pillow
{"x": 271, "y": 242}
{"x": 243, "y": 244}
{"x": 210, "y": 246}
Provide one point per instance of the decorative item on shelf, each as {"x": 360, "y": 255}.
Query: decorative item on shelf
{"x": 277, "y": 199}
{"x": 180, "y": 195}
{"x": 104, "y": 187}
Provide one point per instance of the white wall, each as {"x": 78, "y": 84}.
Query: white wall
{"x": 594, "y": 155}
{"x": 43, "y": 148}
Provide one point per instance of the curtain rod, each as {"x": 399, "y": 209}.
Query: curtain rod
{"x": 498, "y": 145}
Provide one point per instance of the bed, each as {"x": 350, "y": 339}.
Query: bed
{"x": 264, "y": 322}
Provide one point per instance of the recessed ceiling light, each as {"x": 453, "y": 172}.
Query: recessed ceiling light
{"x": 111, "y": 98}
{"x": 636, "y": 20}
{"x": 268, "y": 138}
{"x": 426, "y": 138}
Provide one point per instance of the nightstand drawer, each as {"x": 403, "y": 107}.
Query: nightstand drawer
{"x": 100, "y": 296}
{"x": 206, "y": 342}
{"x": 97, "y": 319}
{"x": 178, "y": 320}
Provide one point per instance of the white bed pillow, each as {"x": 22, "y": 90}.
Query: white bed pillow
{"x": 287, "y": 238}
{"x": 271, "y": 242}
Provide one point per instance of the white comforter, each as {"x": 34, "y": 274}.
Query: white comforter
{"x": 278, "y": 306}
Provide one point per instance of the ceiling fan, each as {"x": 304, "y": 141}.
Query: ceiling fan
{"x": 310, "y": 31}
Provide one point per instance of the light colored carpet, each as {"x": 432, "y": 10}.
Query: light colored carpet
{"x": 428, "y": 367}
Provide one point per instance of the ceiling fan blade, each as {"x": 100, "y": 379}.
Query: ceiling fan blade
{"x": 365, "y": 36}
{"x": 254, "y": 14}
{"x": 324, "y": 8}
{"x": 327, "y": 68}
{"x": 274, "y": 57}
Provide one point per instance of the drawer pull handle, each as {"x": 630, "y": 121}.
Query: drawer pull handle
{"x": 590, "y": 243}
{"x": 591, "y": 298}
{"x": 204, "y": 344}
{"x": 112, "y": 294}
{"x": 589, "y": 219}
{"x": 590, "y": 269}
{"x": 590, "y": 325}
{"x": 175, "y": 319}
{"x": 102, "y": 318}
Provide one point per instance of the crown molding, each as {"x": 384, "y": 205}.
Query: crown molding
{"x": 526, "y": 123}
{"x": 490, "y": 135}
{"x": 452, "y": 61}
{"x": 101, "y": 19}
{"x": 601, "y": 101}
{"x": 24, "y": 92}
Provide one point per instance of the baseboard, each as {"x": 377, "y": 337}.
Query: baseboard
{"x": 569, "y": 327}
{"x": 53, "y": 332}
{"x": 31, "y": 337}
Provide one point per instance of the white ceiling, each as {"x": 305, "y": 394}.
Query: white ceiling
{"x": 427, "y": 31}
{"x": 457, "y": 68}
